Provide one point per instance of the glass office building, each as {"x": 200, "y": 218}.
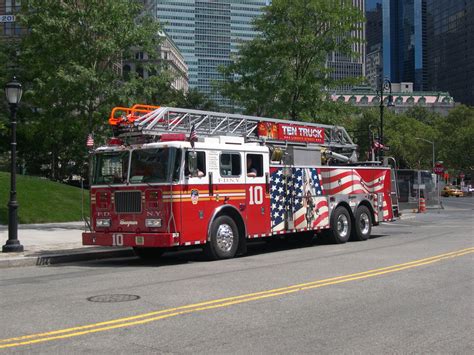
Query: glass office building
{"x": 404, "y": 41}
{"x": 208, "y": 33}
{"x": 373, "y": 35}
{"x": 343, "y": 66}
{"x": 450, "y": 59}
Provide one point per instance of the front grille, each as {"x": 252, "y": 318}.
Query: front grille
{"x": 128, "y": 202}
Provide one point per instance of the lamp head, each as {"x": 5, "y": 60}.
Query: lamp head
{"x": 390, "y": 101}
{"x": 13, "y": 92}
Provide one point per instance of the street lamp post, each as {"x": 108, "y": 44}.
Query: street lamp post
{"x": 385, "y": 85}
{"x": 13, "y": 92}
{"x": 432, "y": 143}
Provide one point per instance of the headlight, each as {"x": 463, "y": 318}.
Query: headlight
{"x": 102, "y": 223}
{"x": 153, "y": 223}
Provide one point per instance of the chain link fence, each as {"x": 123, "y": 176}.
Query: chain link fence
{"x": 416, "y": 184}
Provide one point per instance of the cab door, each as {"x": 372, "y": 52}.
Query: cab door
{"x": 257, "y": 197}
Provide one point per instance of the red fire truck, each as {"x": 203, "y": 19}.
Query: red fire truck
{"x": 173, "y": 178}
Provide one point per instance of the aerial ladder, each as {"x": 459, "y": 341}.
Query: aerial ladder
{"x": 154, "y": 121}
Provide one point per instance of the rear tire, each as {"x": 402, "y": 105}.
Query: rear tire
{"x": 224, "y": 239}
{"x": 148, "y": 253}
{"x": 340, "y": 226}
{"x": 362, "y": 224}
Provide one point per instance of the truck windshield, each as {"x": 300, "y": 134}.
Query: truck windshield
{"x": 110, "y": 168}
{"x": 154, "y": 165}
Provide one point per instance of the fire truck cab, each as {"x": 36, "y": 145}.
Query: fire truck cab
{"x": 180, "y": 178}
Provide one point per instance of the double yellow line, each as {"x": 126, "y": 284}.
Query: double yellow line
{"x": 218, "y": 303}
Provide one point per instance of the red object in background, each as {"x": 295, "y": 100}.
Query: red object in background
{"x": 438, "y": 169}
{"x": 446, "y": 177}
{"x": 115, "y": 141}
{"x": 462, "y": 176}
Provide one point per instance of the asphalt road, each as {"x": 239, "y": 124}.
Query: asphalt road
{"x": 409, "y": 289}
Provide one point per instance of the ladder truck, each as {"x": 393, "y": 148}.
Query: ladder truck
{"x": 172, "y": 178}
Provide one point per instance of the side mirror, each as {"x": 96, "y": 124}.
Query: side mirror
{"x": 192, "y": 163}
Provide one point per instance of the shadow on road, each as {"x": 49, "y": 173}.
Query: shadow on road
{"x": 188, "y": 256}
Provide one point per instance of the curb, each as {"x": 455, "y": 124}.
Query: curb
{"x": 65, "y": 257}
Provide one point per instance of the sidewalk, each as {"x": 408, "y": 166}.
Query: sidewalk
{"x": 53, "y": 243}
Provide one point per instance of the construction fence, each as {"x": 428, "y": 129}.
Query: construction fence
{"x": 416, "y": 184}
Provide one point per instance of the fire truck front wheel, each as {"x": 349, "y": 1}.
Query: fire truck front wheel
{"x": 340, "y": 225}
{"x": 362, "y": 224}
{"x": 224, "y": 239}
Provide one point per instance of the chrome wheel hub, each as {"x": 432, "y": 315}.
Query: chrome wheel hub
{"x": 342, "y": 225}
{"x": 364, "y": 223}
{"x": 225, "y": 237}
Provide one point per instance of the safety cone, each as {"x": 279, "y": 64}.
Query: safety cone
{"x": 422, "y": 205}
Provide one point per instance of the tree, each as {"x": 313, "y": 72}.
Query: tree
{"x": 455, "y": 138}
{"x": 282, "y": 72}
{"x": 70, "y": 65}
{"x": 401, "y": 131}
{"x": 196, "y": 100}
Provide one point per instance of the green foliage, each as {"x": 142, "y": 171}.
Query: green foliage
{"x": 42, "y": 201}
{"x": 196, "y": 100}
{"x": 455, "y": 139}
{"x": 70, "y": 65}
{"x": 401, "y": 132}
{"x": 453, "y": 136}
{"x": 282, "y": 72}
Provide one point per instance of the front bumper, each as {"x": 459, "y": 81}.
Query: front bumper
{"x": 157, "y": 240}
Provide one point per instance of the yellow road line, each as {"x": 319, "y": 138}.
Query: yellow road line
{"x": 219, "y": 303}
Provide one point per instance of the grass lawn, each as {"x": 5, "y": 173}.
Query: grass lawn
{"x": 42, "y": 201}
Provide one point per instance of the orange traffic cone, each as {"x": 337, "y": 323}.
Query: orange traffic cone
{"x": 422, "y": 205}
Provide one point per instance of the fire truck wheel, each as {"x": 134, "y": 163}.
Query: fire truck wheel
{"x": 224, "y": 239}
{"x": 363, "y": 224}
{"x": 340, "y": 225}
{"x": 148, "y": 253}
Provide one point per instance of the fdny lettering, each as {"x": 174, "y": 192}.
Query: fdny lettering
{"x": 102, "y": 214}
{"x": 153, "y": 213}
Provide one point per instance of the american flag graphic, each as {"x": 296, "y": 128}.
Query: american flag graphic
{"x": 349, "y": 181}
{"x": 297, "y": 196}
{"x": 90, "y": 141}
{"x": 193, "y": 136}
{"x": 376, "y": 145}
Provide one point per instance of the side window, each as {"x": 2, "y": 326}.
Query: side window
{"x": 230, "y": 164}
{"x": 254, "y": 165}
{"x": 201, "y": 164}
{"x": 177, "y": 164}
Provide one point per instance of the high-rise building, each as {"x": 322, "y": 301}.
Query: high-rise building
{"x": 208, "y": 34}
{"x": 167, "y": 54}
{"x": 373, "y": 29}
{"x": 374, "y": 38}
{"x": 404, "y": 41}
{"x": 9, "y": 26}
{"x": 344, "y": 66}
{"x": 450, "y": 48}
